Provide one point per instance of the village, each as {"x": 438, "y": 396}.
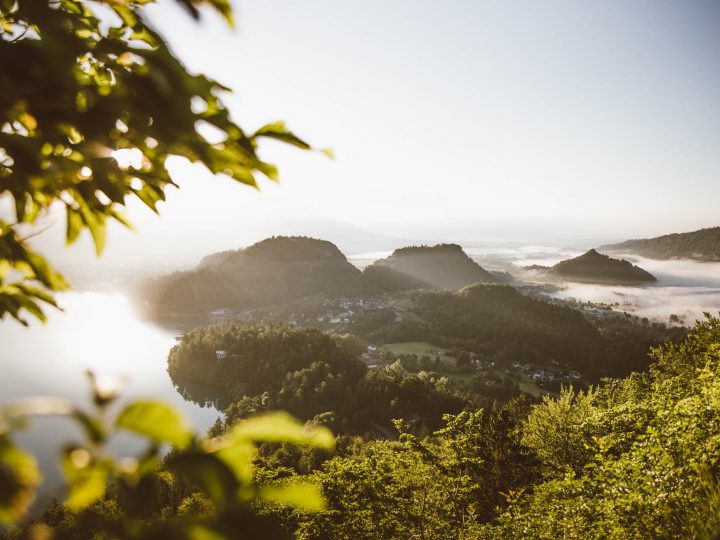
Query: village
{"x": 339, "y": 315}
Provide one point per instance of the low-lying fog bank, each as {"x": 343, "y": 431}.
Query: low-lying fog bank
{"x": 684, "y": 288}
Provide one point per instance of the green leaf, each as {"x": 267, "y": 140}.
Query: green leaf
{"x": 156, "y": 421}
{"x": 224, "y": 8}
{"x": 37, "y": 293}
{"x": 150, "y": 195}
{"x": 93, "y": 428}
{"x": 44, "y": 273}
{"x": 279, "y": 131}
{"x": 302, "y": 495}
{"x": 281, "y": 427}
{"x": 95, "y": 221}
{"x": 19, "y": 476}
{"x": 87, "y": 480}
{"x": 208, "y": 473}
{"x": 239, "y": 457}
{"x": 120, "y": 70}
{"x": 32, "y": 307}
{"x": 74, "y": 224}
{"x": 120, "y": 217}
{"x": 201, "y": 532}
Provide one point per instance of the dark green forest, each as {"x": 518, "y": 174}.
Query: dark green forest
{"x": 308, "y": 373}
{"x": 502, "y": 325}
{"x": 629, "y": 458}
{"x": 594, "y": 267}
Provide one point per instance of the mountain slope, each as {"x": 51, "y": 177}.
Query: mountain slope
{"x": 392, "y": 280}
{"x": 702, "y": 245}
{"x": 444, "y": 266}
{"x": 273, "y": 271}
{"x": 593, "y": 267}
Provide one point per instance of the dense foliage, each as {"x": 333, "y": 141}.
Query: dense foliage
{"x": 307, "y": 373}
{"x": 205, "y": 488}
{"x": 504, "y": 326}
{"x": 637, "y": 458}
{"x": 281, "y": 361}
{"x": 439, "y": 486}
{"x": 632, "y": 458}
{"x": 93, "y": 102}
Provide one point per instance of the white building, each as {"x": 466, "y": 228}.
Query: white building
{"x": 219, "y": 315}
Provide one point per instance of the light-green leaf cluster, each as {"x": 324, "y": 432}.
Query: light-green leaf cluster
{"x": 90, "y": 110}
{"x": 222, "y": 469}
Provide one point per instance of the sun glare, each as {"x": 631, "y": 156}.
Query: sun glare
{"x": 94, "y": 322}
{"x": 128, "y": 157}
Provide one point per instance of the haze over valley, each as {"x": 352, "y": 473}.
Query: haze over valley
{"x": 684, "y": 286}
{"x": 359, "y": 270}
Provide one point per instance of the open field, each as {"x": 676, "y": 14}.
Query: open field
{"x": 528, "y": 386}
{"x": 421, "y": 348}
{"x": 414, "y": 347}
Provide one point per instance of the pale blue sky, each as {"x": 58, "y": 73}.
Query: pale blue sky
{"x": 462, "y": 120}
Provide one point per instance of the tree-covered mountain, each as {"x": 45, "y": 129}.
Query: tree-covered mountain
{"x": 594, "y": 267}
{"x": 444, "y": 266}
{"x": 389, "y": 279}
{"x": 501, "y": 325}
{"x": 283, "y": 270}
{"x": 276, "y": 270}
{"x": 701, "y": 245}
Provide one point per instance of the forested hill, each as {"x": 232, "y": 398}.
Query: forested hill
{"x": 275, "y": 270}
{"x": 281, "y": 270}
{"x": 593, "y": 267}
{"x": 444, "y": 266}
{"x": 306, "y": 372}
{"x": 501, "y": 325}
{"x": 702, "y": 245}
{"x": 631, "y": 458}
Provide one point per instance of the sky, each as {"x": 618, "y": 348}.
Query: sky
{"x": 525, "y": 121}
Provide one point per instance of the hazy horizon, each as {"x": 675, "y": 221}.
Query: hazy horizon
{"x": 513, "y": 384}
{"x": 559, "y": 122}
{"x": 142, "y": 248}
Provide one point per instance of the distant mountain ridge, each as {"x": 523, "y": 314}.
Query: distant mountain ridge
{"x": 594, "y": 267}
{"x": 285, "y": 269}
{"x": 702, "y": 245}
{"x": 276, "y": 270}
{"x": 443, "y": 266}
